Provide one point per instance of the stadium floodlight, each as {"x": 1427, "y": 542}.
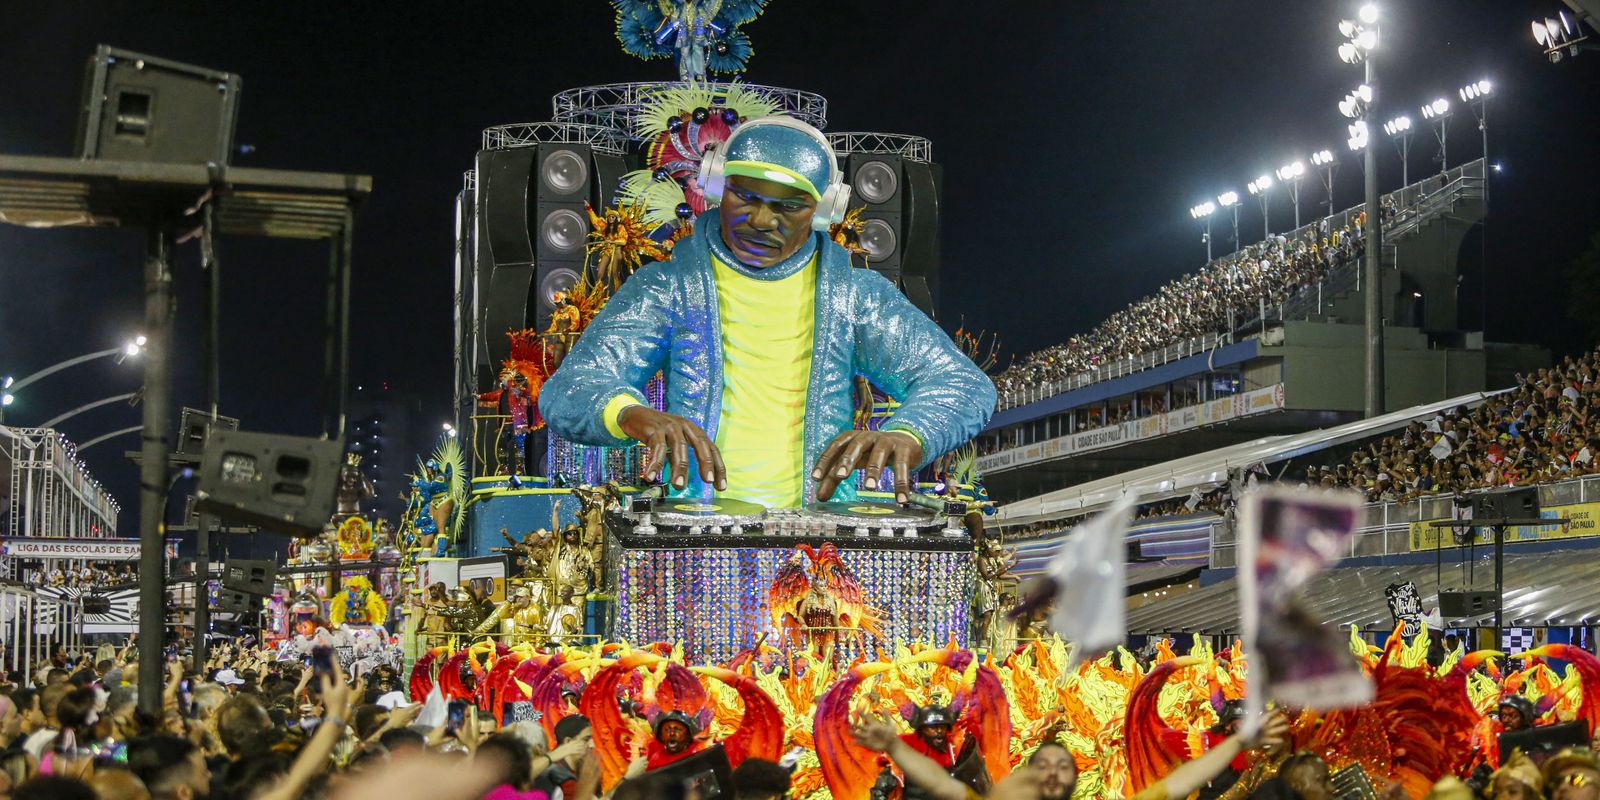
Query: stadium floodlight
{"x": 1358, "y": 135}
{"x": 1227, "y": 199}
{"x": 1475, "y": 91}
{"x": 1289, "y": 172}
{"x": 1349, "y": 29}
{"x": 1397, "y": 126}
{"x": 1367, "y": 39}
{"x": 1368, "y": 14}
{"x": 1436, "y": 109}
{"x": 1203, "y": 210}
{"x": 1322, "y": 158}
{"x": 1260, "y": 184}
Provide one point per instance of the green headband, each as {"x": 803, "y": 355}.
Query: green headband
{"x": 773, "y": 172}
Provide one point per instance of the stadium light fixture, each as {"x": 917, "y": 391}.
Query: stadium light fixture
{"x": 1227, "y": 199}
{"x": 1291, "y": 174}
{"x": 1322, "y": 158}
{"x": 1436, "y": 109}
{"x": 1397, "y": 126}
{"x": 1260, "y": 184}
{"x": 1203, "y": 210}
{"x": 1560, "y": 37}
{"x": 1368, "y": 14}
{"x": 1358, "y": 135}
{"x": 1475, "y": 91}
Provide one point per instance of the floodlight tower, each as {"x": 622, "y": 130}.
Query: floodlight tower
{"x": 1399, "y": 129}
{"x": 1230, "y": 199}
{"x": 1204, "y": 211}
{"x": 1361, "y": 40}
{"x": 1290, "y": 174}
{"x": 1258, "y": 188}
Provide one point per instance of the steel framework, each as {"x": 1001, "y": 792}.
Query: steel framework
{"x": 616, "y": 105}
{"x": 524, "y": 134}
{"x": 910, "y": 148}
{"x": 50, "y": 494}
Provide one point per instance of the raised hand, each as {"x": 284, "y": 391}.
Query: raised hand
{"x": 669, "y": 438}
{"x": 852, "y": 450}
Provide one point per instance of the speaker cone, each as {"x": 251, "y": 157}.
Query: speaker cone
{"x": 564, "y": 172}
{"x": 876, "y": 182}
{"x": 878, "y": 239}
{"x": 563, "y": 230}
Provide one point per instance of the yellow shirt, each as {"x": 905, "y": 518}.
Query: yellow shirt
{"x": 767, "y": 333}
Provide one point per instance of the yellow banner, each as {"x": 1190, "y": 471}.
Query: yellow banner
{"x": 1583, "y": 519}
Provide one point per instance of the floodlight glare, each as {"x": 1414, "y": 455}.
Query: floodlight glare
{"x": 1291, "y": 171}
{"x": 1364, "y": 92}
{"x": 1347, "y": 28}
{"x": 1367, "y": 40}
{"x": 131, "y": 349}
{"x": 1254, "y": 187}
{"x": 1397, "y": 126}
{"x": 7, "y": 399}
{"x": 1541, "y": 35}
{"x": 1349, "y": 55}
{"x": 1322, "y": 158}
{"x": 1437, "y": 108}
{"x": 1227, "y": 199}
{"x": 5, "y": 383}
{"x": 1368, "y": 13}
{"x": 140, "y": 340}
{"x": 1203, "y": 210}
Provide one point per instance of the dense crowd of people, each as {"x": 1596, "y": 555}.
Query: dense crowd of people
{"x": 1231, "y": 288}
{"x": 1545, "y": 428}
{"x": 85, "y": 576}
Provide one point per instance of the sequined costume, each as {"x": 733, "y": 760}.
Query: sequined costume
{"x": 665, "y": 319}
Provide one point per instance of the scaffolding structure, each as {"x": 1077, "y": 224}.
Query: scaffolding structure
{"x": 48, "y": 492}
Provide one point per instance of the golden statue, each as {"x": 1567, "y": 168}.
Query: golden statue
{"x": 564, "y": 623}
{"x": 574, "y": 567}
{"x": 520, "y": 616}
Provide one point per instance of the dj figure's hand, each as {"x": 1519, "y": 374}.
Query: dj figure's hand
{"x": 669, "y": 438}
{"x": 873, "y": 450}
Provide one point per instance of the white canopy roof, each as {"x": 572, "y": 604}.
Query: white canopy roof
{"x": 1179, "y": 477}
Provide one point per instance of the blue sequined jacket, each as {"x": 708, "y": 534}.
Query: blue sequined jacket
{"x": 665, "y": 318}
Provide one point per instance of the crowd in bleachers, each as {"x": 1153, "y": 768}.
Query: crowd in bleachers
{"x": 1546, "y": 428}
{"x": 1231, "y": 288}
{"x": 95, "y": 574}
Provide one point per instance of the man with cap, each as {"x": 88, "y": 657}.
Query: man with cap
{"x": 760, "y": 325}
{"x": 674, "y": 740}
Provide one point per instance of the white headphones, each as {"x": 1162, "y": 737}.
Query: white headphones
{"x": 835, "y": 200}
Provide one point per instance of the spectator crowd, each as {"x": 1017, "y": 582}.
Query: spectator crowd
{"x": 1229, "y": 290}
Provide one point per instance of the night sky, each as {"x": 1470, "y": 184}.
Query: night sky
{"x": 1074, "y": 139}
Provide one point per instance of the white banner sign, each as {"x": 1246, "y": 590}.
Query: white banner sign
{"x": 92, "y": 549}
{"x": 1258, "y": 401}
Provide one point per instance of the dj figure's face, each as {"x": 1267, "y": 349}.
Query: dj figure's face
{"x": 675, "y": 737}
{"x": 764, "y": 222}
{"x": 937, "y": 736}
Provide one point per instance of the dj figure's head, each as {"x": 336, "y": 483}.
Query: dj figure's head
{"x": 777, "y": 180}
{"x": 675, "y": 731}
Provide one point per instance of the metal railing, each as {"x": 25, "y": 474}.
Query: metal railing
{"x": 33, "y": 626}
{"x": 1116, "y": 368}
{"x": 1386, "y": 529}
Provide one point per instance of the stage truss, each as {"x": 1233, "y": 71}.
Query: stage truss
{"x": 616, "y": 105}
{"x": 526, "y": 134}
{"x": 910, "y": 148}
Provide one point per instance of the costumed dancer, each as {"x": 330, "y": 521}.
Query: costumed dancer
{"x": 760, "y": 325}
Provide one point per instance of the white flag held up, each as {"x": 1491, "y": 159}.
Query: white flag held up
{"x": 1089, "y": 572}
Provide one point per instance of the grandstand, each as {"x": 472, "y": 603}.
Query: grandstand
{"x": 1414, "y": 465}
{"x": 1265, "y": 342}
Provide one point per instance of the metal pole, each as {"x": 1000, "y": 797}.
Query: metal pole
{"x": 1499, "y": 583}
{"x": 202, "y": 594}
{"x": 1208, "y": 238}
{"x": 153, "y": 489}
{"x": 63, "y": 417}
{"x": 1374, "y": 297}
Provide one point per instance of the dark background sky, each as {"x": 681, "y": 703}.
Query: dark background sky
{"x": 1074, "y": 137}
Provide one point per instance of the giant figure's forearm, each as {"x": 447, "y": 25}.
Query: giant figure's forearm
{"x": 619, "y": 351}
{"x": 944, "y": 398}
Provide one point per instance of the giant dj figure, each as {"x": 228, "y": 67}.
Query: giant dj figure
{"x": 760, "y": 325}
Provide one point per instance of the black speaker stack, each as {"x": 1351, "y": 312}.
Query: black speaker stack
{"x": 532, "y": 231}
{"x": 899, "y": 201}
